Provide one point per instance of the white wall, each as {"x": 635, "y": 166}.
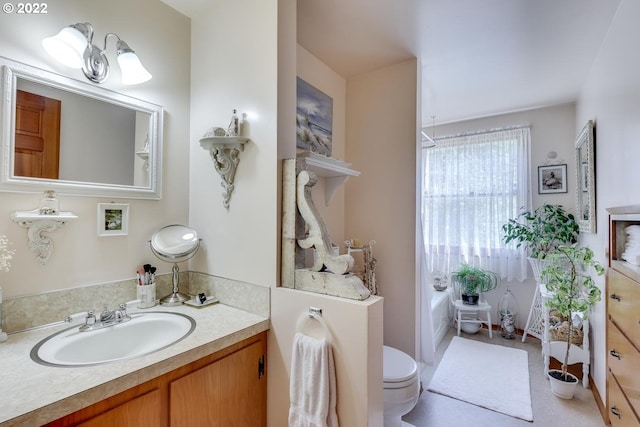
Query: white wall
{"x": 356, "y": 330}
{"x": 552, "y": 129}
{"x": 80, "y": 257}
{"x": 381, "y": 202}
{"x": 317, "y": 74}
{"x": 232, "y": 68}
{"x": 611, "y": 98}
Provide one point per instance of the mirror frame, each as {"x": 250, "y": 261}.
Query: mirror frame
{"x": 585, "y": 179}
{"x": 11, "y": 71}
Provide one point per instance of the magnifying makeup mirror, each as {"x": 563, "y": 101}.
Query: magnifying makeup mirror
{"x": 174, "y": 243}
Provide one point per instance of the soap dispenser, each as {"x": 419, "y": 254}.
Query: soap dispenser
{"x": 48, "y": 204}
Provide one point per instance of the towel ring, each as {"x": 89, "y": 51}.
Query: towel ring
{"x": 314, "y": 314}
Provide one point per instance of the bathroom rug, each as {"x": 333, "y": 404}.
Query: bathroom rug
{"x": 487, "y": 375}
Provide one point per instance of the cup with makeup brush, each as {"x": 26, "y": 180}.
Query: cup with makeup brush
{"x": 146, "y": 286}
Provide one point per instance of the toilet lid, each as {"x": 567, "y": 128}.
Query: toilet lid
{"x": 397, "y": 366}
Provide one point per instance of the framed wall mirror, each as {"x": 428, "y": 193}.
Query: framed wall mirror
{"x": 77, "y": 138}
{"x": 585, "y": 174}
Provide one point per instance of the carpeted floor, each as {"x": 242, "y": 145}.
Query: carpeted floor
{"x": 435, "y": 410}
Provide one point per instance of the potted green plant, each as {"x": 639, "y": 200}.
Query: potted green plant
{"x": 473, "y": 281}
{"x": 572, "y": 291}
{"x": 542, "y": 231}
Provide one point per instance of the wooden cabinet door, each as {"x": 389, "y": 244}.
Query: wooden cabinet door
{"x": 141, "y": 411}
{"x": 229, "y": 392}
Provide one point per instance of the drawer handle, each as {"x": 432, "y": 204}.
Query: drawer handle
{"x": 615, "y": 354}
{"x": 615, "y": 412}
{"x": 615, "y": 297}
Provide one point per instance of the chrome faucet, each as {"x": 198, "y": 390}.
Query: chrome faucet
{"x": 106, "y": 318}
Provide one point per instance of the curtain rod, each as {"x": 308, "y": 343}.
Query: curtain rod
{"x": 481, "y": 132}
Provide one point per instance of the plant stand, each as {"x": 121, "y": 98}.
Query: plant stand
{"x": 535, "y": 321}
{"x": 536, "y": 318}
{"x": 557, "y": 349}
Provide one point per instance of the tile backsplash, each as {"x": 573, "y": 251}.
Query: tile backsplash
{"x": 26, "y": 312}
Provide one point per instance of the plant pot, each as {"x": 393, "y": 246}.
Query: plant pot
{"x": 470, "y": 328}
{"x": 470, "y": 299}
{"x": 560, "y": 387}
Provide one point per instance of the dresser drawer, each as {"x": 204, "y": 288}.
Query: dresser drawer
{"x": 623, "y": 304}
{"x": 623, "y": 361}
{"x": 620, "y": 412}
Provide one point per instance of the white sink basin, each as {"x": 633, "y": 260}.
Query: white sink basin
{"x": 143, "y": 334}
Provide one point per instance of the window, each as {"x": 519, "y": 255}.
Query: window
{"x": 472, "y": 185}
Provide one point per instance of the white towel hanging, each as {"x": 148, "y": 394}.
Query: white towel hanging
{"x": 312, "y": 388}
{"x": 314, "y": 314}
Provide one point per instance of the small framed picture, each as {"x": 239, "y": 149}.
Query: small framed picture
{"x": 113, "y": 219}
{"x": 552, "y": 179}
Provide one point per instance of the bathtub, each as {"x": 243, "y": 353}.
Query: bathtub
{"x": 440, "y": 315}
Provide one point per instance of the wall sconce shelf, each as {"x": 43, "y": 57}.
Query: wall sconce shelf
{"x": 37, "y": 224}
{"x": 225, "y": 153}
{"x": 336, "y": 172}
{"x": 144, "y": 155}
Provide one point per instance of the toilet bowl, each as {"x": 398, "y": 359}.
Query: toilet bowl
{"x": 401, "y": 386}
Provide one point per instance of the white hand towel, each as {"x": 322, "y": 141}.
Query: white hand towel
{"x": 313, "y": 383}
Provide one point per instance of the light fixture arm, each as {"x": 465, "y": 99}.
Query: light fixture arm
{"x": 107, "y": 36}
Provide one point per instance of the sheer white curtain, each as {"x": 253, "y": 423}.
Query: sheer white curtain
{"x": 472, "y": 185}
{"x": 427, "y": 338}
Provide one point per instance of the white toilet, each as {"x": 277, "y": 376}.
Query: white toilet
{"x": 401, "y": 386}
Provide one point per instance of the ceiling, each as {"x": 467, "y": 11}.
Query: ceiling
{"x": 478, "y": 57}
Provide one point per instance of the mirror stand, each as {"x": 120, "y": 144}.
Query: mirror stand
{"x": 174, "y": 243}
{"x": 176, "y": 297}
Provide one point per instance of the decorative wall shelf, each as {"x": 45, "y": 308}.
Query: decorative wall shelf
{"x": 334, "y": 171}
{"x": 37, "y": 224}
{"x": 144, "y": 155}
{"x": 225, "y": 153}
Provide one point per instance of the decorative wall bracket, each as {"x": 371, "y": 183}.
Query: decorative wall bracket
{"x": 37, "y": 224}
{"x": 334, "y": 171}
{"x": 144, "y": 155}
{"x": 225, "y": 153}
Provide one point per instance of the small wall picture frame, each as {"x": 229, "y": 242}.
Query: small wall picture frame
{"x": 552, "y": 179}
{"x": 113, "y": 219}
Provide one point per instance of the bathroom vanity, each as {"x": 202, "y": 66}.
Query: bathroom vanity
{"x": 224, "y": 389}
{"x": 215, "y": 376}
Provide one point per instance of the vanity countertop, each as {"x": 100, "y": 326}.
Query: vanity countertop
{"x": 33, "y": 394}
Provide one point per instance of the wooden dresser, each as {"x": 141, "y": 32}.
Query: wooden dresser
{"x": 623, "y": 323}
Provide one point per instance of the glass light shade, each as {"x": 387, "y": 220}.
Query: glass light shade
{"x": 67, "y": 47}
{"x": 133, "y": 72}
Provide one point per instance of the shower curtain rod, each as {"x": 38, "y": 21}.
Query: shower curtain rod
{"x": 481, "y": 132}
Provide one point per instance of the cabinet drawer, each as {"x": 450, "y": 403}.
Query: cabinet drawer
{"x": 623, "y": 361}
{"x": 620, "y": 412}
{"x": 623, "y": 304}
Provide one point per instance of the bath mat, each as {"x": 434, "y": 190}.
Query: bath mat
{"x": 487, "y": 375}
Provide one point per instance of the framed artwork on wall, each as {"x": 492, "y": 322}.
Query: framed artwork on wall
{"x": 314, "y": 119}
{"x": 113, "y": 219}
{"x": 552, "y": 179}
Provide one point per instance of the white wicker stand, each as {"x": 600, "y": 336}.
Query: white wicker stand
{"x": 535, "y": 321}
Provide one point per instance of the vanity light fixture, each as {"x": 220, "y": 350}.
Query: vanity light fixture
{"x": 73, "y": 46}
